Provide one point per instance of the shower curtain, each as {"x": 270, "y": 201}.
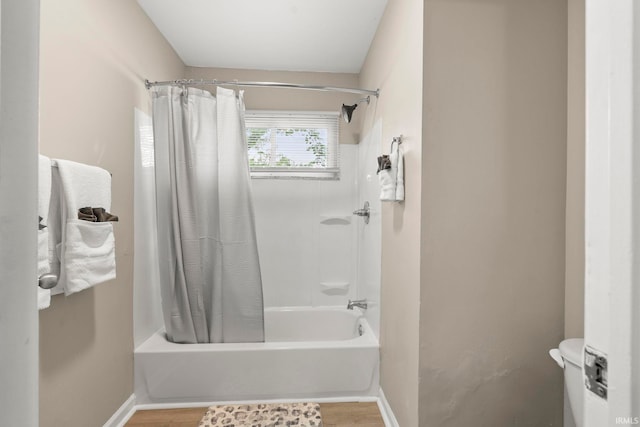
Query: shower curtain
{"x": 210, "y": 278}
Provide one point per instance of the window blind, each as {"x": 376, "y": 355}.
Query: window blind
{"x": 293, "y": 144}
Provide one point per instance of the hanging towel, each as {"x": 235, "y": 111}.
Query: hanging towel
{"x": 44, "y": 199}
{"x": 399, "y": 173}
{"x": 392, "y": 178}
{"x": 87, "y": 249}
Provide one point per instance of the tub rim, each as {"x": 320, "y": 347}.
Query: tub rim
{"x": 157, "y": 343}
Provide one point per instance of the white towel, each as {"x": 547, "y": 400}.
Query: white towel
{"x": 87, "y": 250}
{"x": 399, "y": 173}
{"x": 392, "y": 179}
{"x": 387, "y": 185}
{"x": 44, "y": 199}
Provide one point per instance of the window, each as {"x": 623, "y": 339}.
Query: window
{"x": 293, "y": 145}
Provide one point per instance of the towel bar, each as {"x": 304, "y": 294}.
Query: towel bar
{"x": 55, "y": 165}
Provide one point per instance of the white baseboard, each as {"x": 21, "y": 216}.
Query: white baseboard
{"x": 385, "y": 410}
{"x": 129, "y": 407}
{"x": 249, "y": 402}
{"x": 122, "y": 415}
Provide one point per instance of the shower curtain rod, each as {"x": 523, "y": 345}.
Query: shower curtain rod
{"x": 203, "y": 82}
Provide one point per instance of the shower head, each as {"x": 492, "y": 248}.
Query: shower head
{"x": 347, "y": 110}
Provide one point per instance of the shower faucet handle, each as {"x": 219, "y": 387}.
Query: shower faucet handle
{"x": 360, "y": 303}
{"x": 364, "y": 212}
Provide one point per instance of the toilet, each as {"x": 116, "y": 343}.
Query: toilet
{"x": 569, "y": 356}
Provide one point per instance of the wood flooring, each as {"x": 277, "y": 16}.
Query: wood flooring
{"x": 350, "y": 414}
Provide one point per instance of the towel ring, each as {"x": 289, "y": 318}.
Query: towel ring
{"x": 396, "y": 139}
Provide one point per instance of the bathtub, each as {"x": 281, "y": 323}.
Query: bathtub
{"x": 307, "y": 353}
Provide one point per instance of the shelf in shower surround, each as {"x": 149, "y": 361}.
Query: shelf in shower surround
{"x": 335, "y": 220}
{"x": 342, "y": 286}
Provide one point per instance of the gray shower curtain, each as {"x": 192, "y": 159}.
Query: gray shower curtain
{"x": 209, "y": 268}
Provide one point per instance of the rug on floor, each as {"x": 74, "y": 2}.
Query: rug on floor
{"x": 263, "y": 415}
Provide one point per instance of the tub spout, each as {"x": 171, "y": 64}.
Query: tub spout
{"x": 360, "y": 303}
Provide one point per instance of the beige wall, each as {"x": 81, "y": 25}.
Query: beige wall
{"x": 94, "y": 58}
{"x": 493, "y": 212}
{"x": 394, "y": 64}
{"x": 575, "y": 250}
{"x": 257, "y": 98}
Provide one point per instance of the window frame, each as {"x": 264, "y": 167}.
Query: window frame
{"x": 331, "y": 172}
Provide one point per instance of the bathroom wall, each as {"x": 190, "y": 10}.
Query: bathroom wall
{"x": 94, "y": 58}
{"x": 493, "y": 213}
{"x": 575, "y": 247}
{"x": 394, "y": 64}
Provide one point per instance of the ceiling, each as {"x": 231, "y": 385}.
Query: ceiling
{"x": 291, "y": 35}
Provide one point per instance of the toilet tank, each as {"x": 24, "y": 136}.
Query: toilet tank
{"x": 571, "y": 351}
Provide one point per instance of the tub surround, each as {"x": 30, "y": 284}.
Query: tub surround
{"x": 327, "y": 261}
{"x": 300, "y": 246}
{"x": 304, "y": 225}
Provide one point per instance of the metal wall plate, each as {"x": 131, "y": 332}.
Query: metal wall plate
{"x": 595, "y": 372}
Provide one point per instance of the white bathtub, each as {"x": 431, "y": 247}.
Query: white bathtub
{"x": 308, "y": 353}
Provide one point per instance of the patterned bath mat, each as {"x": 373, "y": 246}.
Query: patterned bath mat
{"x": 263, "y": 415}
